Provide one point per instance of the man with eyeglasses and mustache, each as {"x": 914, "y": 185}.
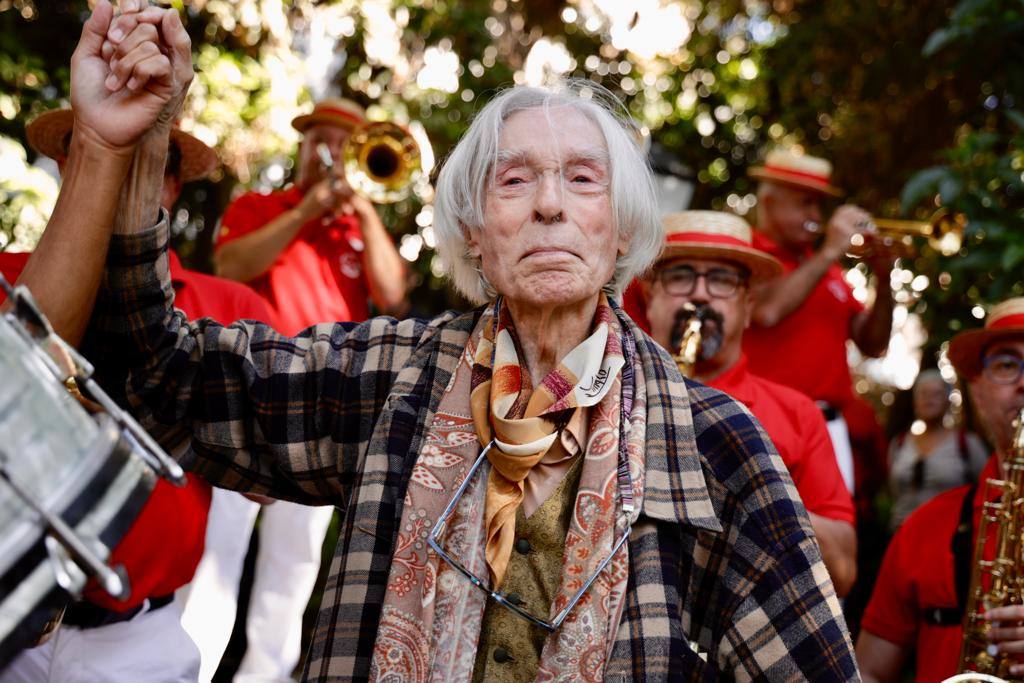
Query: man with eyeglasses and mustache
{"x": 708, "y": 262}
{"x": 921, "y": 592}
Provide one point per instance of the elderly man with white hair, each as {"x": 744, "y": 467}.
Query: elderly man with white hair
{"x": 529, "y": 491}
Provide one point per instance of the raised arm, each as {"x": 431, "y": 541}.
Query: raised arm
{"x": 786, "y": 293}
{"x": 114, "y": 110}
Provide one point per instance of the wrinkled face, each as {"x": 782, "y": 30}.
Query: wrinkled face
{"x": 549, "y": 237}
{"x": 310, "y": 169}
{"x": 665, "y": 297}
{"x": 786, "y": 211}
{"x": 997, "y": 404}
{"x": 931, "y": 399}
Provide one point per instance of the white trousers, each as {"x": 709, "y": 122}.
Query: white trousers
{"x": 151, "y": 647}
{"x": 840, "y": 436}
{"x": 287, "y": 564}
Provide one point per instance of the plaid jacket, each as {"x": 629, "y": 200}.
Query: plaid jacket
{"x": 722, "y": 558}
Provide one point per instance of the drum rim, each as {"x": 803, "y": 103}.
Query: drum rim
{"x": 15, "y": 543}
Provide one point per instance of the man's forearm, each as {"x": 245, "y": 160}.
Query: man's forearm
{"x": 139, "y": 202}
{"x": 250, "y": 256}
{"x": 778, "y": 299}
{"x": 65, "y": 271}
{"x": 838, "y": 543}
{"x": 871, "y": 329}
{"x": 385, "y": 271}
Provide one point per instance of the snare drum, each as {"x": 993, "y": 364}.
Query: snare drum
{"x": 71, "y": 484}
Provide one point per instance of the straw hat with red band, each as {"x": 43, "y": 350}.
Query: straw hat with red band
{"x": 1005, "y": 321}
{"x": 336, "y": 111}
{"x": 797, "y": 170}
{"x": 48, "y": 135}
{"x": 716, "y": 235}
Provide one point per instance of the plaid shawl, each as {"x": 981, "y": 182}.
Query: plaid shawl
{"x": 722, "y": 558}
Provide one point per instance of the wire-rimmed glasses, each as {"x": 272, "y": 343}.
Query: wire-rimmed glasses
{"x": 433, "y": 539}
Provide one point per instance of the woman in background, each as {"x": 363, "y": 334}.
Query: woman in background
{"x": 930, "y": 457}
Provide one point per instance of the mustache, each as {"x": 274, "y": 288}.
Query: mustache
{"x": 711, "y": 329}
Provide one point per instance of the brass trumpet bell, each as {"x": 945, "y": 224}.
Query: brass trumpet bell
{"x": 382, "y": 162}
{"x": 944, "y": 232}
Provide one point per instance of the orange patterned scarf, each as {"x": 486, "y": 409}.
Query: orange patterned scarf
{"x": 524, "y": 422}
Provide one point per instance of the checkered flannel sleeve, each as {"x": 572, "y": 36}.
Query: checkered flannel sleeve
{"x": 258, "y": 411}
{"x": 786, "y": 623}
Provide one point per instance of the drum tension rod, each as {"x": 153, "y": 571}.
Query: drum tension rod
{"x": 114, "y": 581}
{"x": 35, "y": 326}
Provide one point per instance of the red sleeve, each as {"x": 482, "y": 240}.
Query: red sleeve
{"x": 249, "y": 212}
{"x": 821, "y": 484}
{"x": 892, "y": 613}
{"x": 11, "y": 265}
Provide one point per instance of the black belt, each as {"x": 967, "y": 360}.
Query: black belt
{"x": 829, "y": 411}
{"x": 88, "y": 615}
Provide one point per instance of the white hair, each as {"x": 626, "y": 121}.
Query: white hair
{"x": 462, "y": 182}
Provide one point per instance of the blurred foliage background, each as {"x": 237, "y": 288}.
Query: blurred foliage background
{"x": 917, "y": 103}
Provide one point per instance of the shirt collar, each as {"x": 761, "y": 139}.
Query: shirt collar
{"x": 735, "y": 381}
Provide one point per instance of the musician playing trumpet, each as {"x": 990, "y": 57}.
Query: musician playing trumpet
{"x": 315, "y": 250}
{"x": 705, "y": 272}
{"x": 802, "y": 319}
{"x": 922, "y": 590}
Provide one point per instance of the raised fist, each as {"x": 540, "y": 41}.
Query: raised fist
{"x": 129, "y": 72}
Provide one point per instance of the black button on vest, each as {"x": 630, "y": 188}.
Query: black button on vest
{"x": 514, "y": 599}
{"x": 523, "y": 546}
{"x": 501, "y": 655}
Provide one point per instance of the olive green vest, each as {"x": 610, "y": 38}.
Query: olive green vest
{"x": 510, "y": 647}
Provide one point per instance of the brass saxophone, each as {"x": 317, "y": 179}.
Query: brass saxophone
{"x": 687, "y": 338}
{"x": 1000, "y": 581}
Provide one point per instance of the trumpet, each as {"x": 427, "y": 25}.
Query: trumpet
{"x": 944, "y": 232}
{"x": 381, "y": 162}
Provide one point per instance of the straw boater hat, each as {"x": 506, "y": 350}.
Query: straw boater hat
{"x": 48, "y": 135}
{"x": 717, "y": 235}
{"x": 797, "y": 170}
{"x": 336, "y": 111}
{"x": 1004, "y": 321}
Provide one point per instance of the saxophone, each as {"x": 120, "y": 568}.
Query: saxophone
{"x": 686, "y": 336}
{"x": 1000, "y": 581}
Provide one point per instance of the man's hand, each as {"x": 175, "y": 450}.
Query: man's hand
{"x": 129, "y": 73}
{"x": 1008, "y": 633}
{"x": 333, "y": 196}
{"x": 847, "y": 221}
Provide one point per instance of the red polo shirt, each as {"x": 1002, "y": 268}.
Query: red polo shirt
{"x": 798, "y": 430}
{"x": 163, "y": 546}
{"x": 318, "y": 277}
{"x": 917, "y": 574}
{"x": 806, "y": 350}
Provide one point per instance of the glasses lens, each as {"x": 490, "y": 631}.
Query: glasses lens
{"x": 1003, "y": 369}
{"x": 722, "y": 283}
{"x": 679, "y": 281}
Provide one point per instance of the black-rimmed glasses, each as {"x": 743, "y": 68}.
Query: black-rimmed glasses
{"x": 1003, "y": 368}
{"x": 722, "y": 283}
{"x": 508, "y": 600}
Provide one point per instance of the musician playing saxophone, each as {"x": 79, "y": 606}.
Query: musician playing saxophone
{"x": 918, "y": 601}
{"x": 708, "y": 266}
